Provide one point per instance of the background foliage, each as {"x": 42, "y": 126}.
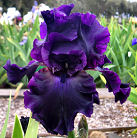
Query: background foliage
{"x": 105, "y": 7}
{"x": 117, "y": 51}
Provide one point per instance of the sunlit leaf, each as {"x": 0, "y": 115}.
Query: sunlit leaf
{"x": 32, "y": 130}
{"x": 17, "y": 131}
{"x": 3, "y": 132}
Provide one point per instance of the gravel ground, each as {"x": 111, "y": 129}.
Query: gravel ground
{"x": 107, "y": 114}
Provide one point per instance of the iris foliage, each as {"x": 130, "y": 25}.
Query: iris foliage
{"x": 117, "y": 51}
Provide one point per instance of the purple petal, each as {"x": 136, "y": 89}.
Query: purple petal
{"x": 66, "y": 8}
{"x": 120, "y": 90}
{"x": 16, "y": 73}
{"x": 104, "y": 61}
{"x": 35, "y": 3}
{"x": 43, "y": 30}
{"x": 55, "y": 104}
{"x": 59, "y": 51}
{"x": 95, "y": 38}
{"x": 123, "y": 93}
{"x": 113, "y": 80}
{"x": 88, "y": 18}
{"x": 84, "y": 28}
{"x": 58, "y": 22}
{"x": 134, "y": 41}
{"x": 31, "y": 68}
{"x": 36, "y": 51}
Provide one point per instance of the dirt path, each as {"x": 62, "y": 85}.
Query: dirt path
{"x": 107, "y": 114}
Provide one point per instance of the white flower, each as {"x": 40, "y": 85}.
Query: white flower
{"x": 129, "y": 54}
{"x": 43, "y": 7}
{"x": 11, "y": 14}
{"x": 27, "y": 17}
{"x": 1, "y": 9}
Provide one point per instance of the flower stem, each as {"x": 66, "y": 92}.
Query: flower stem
{"x": 71, "y": 134}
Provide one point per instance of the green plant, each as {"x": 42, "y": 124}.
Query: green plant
{"x": 10, "y": 48}
{"x": 120, "y": 41}
{"x": 4, "y": 129}
{"x": 133, "y": 73}
{"x": 119, "y": 46}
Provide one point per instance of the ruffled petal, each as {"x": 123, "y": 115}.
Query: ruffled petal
{"x": 59, "y": 51}
{"x": 88, "y": 19}
{"x": 123, "y": 93}
{"x": 48, "y": 16}
{"x": 113, "y": 80}
{"x": 65, "y": 8}
{"x": 36, "y": 50}
{"x": 104, "y": 61}
{"x": 83, "y": 28}
{"x": 55, "y": 104}
{"x": 16, "y": 73}
{"x": 95, "y": 38}
{"x": 58, "y": 22}
{"x": 120, "y": 90}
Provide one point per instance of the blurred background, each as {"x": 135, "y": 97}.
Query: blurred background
{"x": 103, "y": 7}
{"x": 19, "y": 26}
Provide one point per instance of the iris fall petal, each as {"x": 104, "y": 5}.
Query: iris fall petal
{"x": 16, "y": 73}
{"x": 55, "y": 104}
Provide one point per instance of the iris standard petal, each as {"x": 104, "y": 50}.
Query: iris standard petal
{"x": 36, "y": 50}
{"x": 88, "y": 19}
{"x": 59, "y": 52}
{"x": 16, "y": 73}
{"x": 95, "y": 38}
{"x": 66, "y": 25}
{"x": 55, "y": 104}
{"x": 65, "y": 8}
{"x": 84, "y": 28}
{"x": 43, "y": 30}
{"x": 48, "y": 16}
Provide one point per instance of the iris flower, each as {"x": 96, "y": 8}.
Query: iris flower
{"x": 134, "y": 41}
{"x": 71, "y": 43}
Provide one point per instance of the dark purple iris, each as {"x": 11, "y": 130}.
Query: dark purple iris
{"x": 24, "y": 123}
{"x": 71, "y": 43}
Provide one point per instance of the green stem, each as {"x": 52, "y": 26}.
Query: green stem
{"x": 71, "y": 134}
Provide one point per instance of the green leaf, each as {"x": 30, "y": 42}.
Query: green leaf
{"x": 132, "y": 50}
{"x": 94, "y": 74}
{"x": 134, "y": 132}
{"x": 132, "y": 76}
{"x": 71, "y": 134}
{"x": 17, "y": 131}
{"x": 103, "y": 78}
{"x": 32, "y": 130}
{"x": 136, "y": 108}
{"x": 135, "y": 119}
{"x": 39, "y": 67}
{"x": 20, "y": 50}
{"x": 109, "y": 66}
{"x": 133, "y": 95}
{"x": 113, "y": 54}
{"x": 136, "y": 68}
{"x": 3, "y": 132}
